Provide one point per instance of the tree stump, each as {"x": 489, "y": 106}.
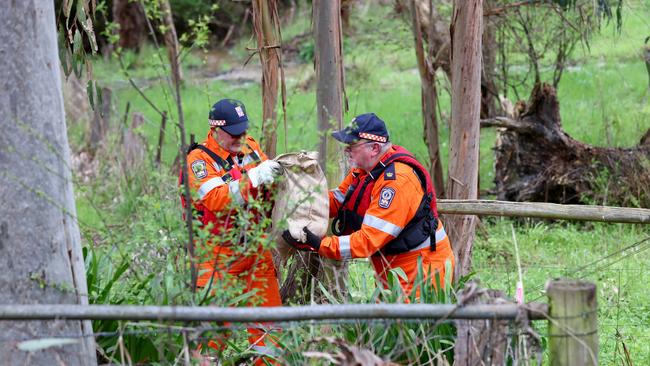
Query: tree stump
{"x": 536, "y": 160}
{"x": 101, "y": 120}
{"x": 493, "y": 341}
{"x": 134, "y": 146}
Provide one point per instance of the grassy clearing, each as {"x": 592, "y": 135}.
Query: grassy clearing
{"x": 134, "y": 216}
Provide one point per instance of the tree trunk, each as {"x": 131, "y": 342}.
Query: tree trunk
{"x": 462, "y": 182}
{"x": 330, "y": 99}
{"x": 491, "y": 341}
{"x": 40, "y": 244}
{"x": 345, "y": 11}
{"x": 537, "y": 161}
{"x": 435, "y": 30}
{"x": 171, "y": 42}
{"x": 268, "y": 43}
{"x": 328, "y": 60}
{"x": 429, "y": 96}
{"x": 132, "y": 23}
{"x": 489, "y": 92}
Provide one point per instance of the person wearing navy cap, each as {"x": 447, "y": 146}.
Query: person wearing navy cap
{"x": 226, "y": 171}
{"x": 384, "y": 209}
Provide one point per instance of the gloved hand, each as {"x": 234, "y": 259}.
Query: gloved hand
{"x": 312, "y": 244}
{"x": 264, "y": 173}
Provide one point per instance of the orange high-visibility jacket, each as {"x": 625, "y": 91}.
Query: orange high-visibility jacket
{"x": 394, "y": 200}
{"x": 216, "y": 188}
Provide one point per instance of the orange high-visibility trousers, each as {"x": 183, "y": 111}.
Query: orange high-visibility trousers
{"x": 257, "y": 274}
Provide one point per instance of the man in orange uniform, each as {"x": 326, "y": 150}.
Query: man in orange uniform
{"x": 226, "y": 171}
{"x": 384, "y": 209}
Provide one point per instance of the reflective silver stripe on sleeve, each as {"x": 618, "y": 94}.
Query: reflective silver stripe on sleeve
{"x": 235, "y": 193}
{"x": 382, "y": 225}
{"x": 344, "y": 247}
{"x": 211, "y": 184}
{"x": 217, "y": 167}
{"x": 338, "y": 195}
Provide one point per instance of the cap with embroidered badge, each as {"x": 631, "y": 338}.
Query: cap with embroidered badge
{"x": 364, "y": 126}
{"x": 230, "y": 115}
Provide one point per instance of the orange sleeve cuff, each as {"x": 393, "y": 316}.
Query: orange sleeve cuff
{"x": 329, "y": 248}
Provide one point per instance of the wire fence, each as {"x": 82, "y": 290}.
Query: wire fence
{"x": 621, "y": 274}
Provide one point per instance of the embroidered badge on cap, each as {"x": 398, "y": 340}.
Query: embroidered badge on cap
{"x": 240, "y": 112}
{"x": 386, "y": 197}
{"x": 199, "y": 169}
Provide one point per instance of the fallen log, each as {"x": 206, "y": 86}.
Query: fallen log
{"x": 536, "y": 160}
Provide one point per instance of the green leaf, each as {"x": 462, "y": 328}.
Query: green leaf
{"x": 64, "y": 51}
{"x": 43, "y": 343}
{"x": 118, "y": 273}
{"x": 327, "y": 294}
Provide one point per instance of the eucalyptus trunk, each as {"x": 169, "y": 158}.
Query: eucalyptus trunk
{"x": 132, "y": 24}
{"x": 268, "y": 43}
{"x": 428, "y": 96}
{"x": 40, "y": 244}
{"x": 328, "y": 60}
{"x": 462, "y": 182}
{"x": 330, "y": 104}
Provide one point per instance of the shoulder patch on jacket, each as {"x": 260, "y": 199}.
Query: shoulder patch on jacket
{"x": 389, "y": 172}
{"x": 199, "y": 168}
{"x": 386, "y": 197}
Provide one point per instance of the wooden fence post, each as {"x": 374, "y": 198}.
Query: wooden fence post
{"x": 573, "y": 323}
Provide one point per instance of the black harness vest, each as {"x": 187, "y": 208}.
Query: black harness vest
{"x": 423, "y": 225}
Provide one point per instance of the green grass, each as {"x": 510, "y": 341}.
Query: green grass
{"x": 601, "y": 103}
{"x": 565, "y": 250}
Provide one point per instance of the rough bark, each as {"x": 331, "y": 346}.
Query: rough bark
{"x": 462, "y": 182}
{"x": 132, "y": 23}
{"x": 491, "y": 341}
{"x": 171, "y": 42}
{"x": 429, "y": 95}
{"x": 536, "y": 160}
{"x": 268, "y": 43}
{"x": 482, "y": 342}
{"x": 435, "y": 30}
{"x": 40, "y": 244}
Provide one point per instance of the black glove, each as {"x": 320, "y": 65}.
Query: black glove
{"x": 312, "y": 244}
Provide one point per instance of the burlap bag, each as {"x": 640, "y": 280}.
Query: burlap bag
{"x": 301, "y": 199}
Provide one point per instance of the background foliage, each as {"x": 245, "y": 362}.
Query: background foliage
{"x": 130, "y": 218}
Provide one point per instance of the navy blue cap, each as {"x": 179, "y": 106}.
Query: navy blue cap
{"x": 364, "y": 126}
{"x": 230, "y": 115}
